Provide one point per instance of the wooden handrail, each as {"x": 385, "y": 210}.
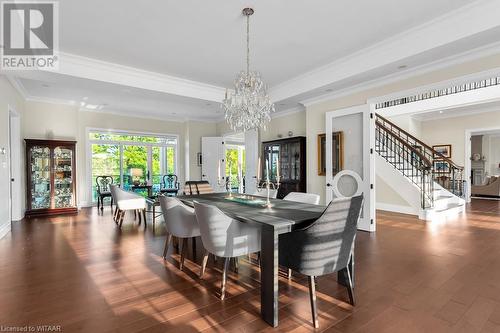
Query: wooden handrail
{"x": 434, "y": 152}
{"x": 414, "y": 150}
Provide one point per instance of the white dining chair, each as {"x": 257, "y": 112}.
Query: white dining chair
{"x": 180, "y": 222}
{"x": 128, "y": 201}
{"x": 112, "y": 189}
{"x": 224, "y": 237}
{"x": 308, "y": 198}
{"x": 263, "y": 193}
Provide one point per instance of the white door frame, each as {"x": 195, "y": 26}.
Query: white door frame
{"x": 467, "y": 156}
{"x": 16, "y": 192}
{"x": 368, "y": 221}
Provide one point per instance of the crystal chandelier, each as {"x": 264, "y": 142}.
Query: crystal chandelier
{"x": 249, "y": 106}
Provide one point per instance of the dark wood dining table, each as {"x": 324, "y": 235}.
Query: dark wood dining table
{"x": 282, "y": 217}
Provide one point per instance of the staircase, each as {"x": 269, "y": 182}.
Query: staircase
{"x": 407, "y": 165}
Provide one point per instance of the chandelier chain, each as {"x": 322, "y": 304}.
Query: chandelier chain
{"x": 248, "y": 44}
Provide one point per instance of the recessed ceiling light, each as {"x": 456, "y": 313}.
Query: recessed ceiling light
{"x": 329, "y": 90}
{"x": 45, "y": 85}
{"x": 92, "y": 106}
{"x": 174, "y": 113}
{"x": 282, "y": 104}
{"x": 402, "y": 66}
{"x": 440, "y": 111}
{"x": 208, "y": 104}
{"x": 85, "y": 98}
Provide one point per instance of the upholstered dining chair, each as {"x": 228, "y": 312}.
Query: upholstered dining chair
{"x": 224, "y": 237}
{"x": 263, "y": 193}
{"x": 112, "y": 189}
{"x": 180, "y": 222}
{"x": 308, "y": 198}
{"x": 170, "y": 185}
{"x": 197, "y": 187}
{"x": 324, "y": 247}
{"x": 103, "y": 190}
{"x": 129, "y": 201}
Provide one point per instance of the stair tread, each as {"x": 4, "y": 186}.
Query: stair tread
{"x": 450, "y": 206}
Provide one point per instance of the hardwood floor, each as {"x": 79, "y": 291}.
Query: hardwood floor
{"x": 84, "y": 274}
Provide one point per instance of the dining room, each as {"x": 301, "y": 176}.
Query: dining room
{"x": 245, "y": 167}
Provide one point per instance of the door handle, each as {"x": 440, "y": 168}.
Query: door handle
{"x": 328, "y": 184}
{"x": 12, "y": 179}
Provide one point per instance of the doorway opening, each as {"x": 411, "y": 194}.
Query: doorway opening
{"x": 16, "y": 196}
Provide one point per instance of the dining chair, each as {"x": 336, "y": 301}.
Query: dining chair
{"x": 326, "y": 246}
{"x": 129, "y": 201}
{"x": 112, "y": 190}
{"x": 197, "y": 187}
{"x": 180, "y": 222}
{"x": 103, "y": 190}
{"x": 308, "y": 198}
{"x": 263, "y": 193}
{"x": 224, "y": 237}
{"x": 170, "y": 185}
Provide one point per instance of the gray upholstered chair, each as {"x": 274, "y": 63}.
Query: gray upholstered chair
{"x": 180, "y": 222}
{"x": 224, "y": 237}
{"x": 324, "y": 247}
{"x": 308, "y": 198}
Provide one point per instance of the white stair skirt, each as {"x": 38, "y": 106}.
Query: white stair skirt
{"x": 446, "y": 204}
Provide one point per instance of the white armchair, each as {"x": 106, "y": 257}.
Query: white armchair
{"x": 128, "y": 201}
{"x": 180, "y": 222}
{"x": 224, "y": 237}
{"x": 308, "y": 198}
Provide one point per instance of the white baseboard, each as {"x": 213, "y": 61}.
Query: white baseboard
{"x": 5, "y": 229}
{"x": 396, "y": 208}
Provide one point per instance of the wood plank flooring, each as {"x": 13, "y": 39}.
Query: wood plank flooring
{"x": 84, "y": 274}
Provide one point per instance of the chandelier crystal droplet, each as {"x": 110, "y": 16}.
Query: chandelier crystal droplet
{"x": 248, "y": 106}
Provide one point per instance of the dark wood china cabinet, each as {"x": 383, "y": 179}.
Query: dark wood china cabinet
{"x": 51, "y": 177}
{"x": 292, "y": 161}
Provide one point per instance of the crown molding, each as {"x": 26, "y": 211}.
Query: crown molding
{"x": 442, "y": 63}
{"x": 93, "y": 69}
{"x": 287, "y": 112}
{"x": 18, "y": 86}
{"x": 456, "y": 114}
{"x": 457, "y": 25}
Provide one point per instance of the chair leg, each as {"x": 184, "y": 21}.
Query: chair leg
{"x": 111, "y": 203}
{"x": 312, "y": 296}
{"x": 144, "y": 218}
{"x": 204, "y": 263}
{"x": 289, "y": 274}
{"x": 350, "y": 288}
{"x": 183, "y": 252}
{"x": 122, "y": 215}
{"x": 135, "y": 214}
{"x": 236, "y": 264}
{"x": 167, "y": 244}
{"x": 102, "y": 204}
{"x": 140, "y": 218}
{"x": 224, "y": 278}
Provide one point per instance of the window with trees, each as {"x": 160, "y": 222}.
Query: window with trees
{"x": 116, "y": 154}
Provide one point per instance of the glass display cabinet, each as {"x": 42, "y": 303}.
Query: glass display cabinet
{"x": 290, "y": 154}
{"x": 51, "y": 177}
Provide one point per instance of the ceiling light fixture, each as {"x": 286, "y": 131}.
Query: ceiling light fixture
{"x": 249, "y": 106}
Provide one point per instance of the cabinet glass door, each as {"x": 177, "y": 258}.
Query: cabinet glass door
{"x": 63, "y": 177}
{"x": 40, "y": 177}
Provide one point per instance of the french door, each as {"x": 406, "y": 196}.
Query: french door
{"x": 357, "y": 126}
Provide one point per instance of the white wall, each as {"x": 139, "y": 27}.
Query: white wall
{"x": 8, "y": 97}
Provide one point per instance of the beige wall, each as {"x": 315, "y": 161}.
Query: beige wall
{"x": 315, "y": 114}
{"x": 56, "y": 121}
{"x": 9, "y": 98}
{"x": 452, "y": 131}
{"x": 281, "y": 125}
